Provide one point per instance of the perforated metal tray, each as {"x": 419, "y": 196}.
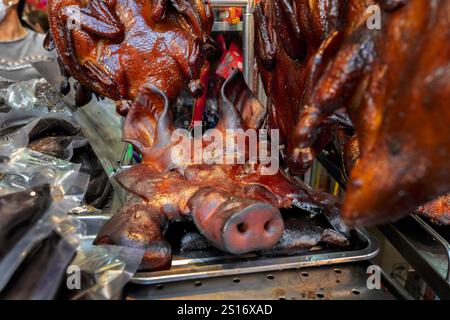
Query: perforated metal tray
{"x": 214, "y": 263}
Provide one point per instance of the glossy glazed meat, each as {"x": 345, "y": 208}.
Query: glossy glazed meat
{"x": 303, "y": 233}
{"x": 438, "y": 211}
{"x": 293, "y": 38}
{"x": 115, "y": 47}
{"x": 395, "y": 83}
{"x": 234, "y": 206}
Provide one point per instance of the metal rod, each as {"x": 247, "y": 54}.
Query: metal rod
{"x": 249, "y": 31}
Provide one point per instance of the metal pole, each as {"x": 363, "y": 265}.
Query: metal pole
{"x": 249, "y": 31}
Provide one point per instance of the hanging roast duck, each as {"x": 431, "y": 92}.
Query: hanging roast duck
{"x": 394, "y": 82}
{"x": 292, "y": 40}
{"x": 114, "y": 47}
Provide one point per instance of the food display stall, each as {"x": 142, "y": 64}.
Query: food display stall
{"x": 228, "y": 150}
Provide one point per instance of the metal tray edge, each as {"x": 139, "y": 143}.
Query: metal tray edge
{"x": 293, "y": 262}
{"x": 304, "y": 261}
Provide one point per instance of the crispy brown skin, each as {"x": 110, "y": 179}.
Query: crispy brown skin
{"x": 438, "y": 211}
{"x": 118, "y": 46}
{"x": 395, "y": 83}
{"x": 293, "y": 41}
{"x": 405, "y": 151}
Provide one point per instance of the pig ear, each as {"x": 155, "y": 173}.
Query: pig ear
{"x": 229, "y": 116}
{"x": 165, "y": 125}
{"x": 139, "y": 128}
{"x": 149, "y": 121}
{"x": 239, "y": 105}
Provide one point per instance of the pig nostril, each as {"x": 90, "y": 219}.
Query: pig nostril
{"x": 242, "y": 227}
{"x": 268, "y": 226}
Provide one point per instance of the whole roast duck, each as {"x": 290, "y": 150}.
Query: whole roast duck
{"x": 392, "y": 79}
{"x": 114, "y": 47}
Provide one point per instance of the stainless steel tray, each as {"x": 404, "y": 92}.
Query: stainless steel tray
{"x": 426, "y": 248}
{"x": 213, "y": 263}
{"x": 341, "y": 282}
